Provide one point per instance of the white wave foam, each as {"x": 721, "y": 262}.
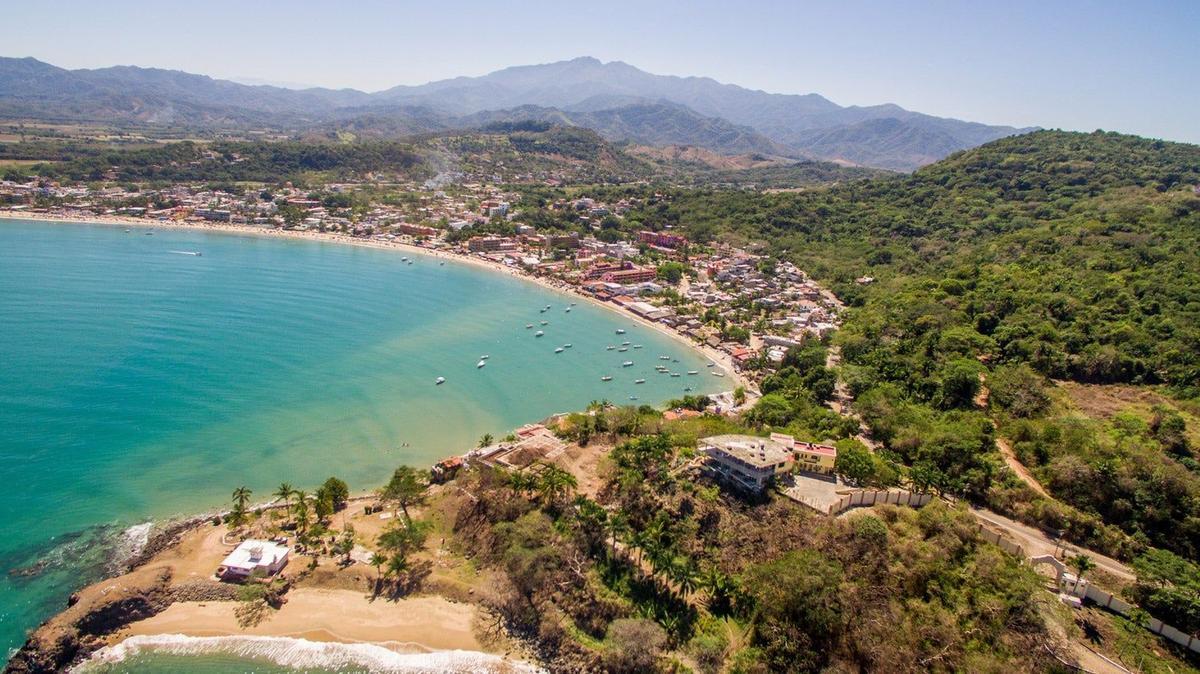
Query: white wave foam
{"x": 130, "y": 543}
{"x": 303, "y": 654}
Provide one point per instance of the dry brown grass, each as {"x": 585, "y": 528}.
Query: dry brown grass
{"x": 1103, "y": 401}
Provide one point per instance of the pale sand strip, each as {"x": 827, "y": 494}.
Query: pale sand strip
{"x": 722, "y": 359}
{"x": 415, "y": 625}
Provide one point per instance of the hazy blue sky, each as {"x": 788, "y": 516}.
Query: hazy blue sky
{"x": 1125, "y": 66}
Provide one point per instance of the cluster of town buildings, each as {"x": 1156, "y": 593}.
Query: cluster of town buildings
{"x": 772, "y": 306}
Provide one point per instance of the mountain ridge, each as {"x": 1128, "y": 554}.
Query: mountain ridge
{"x": 615, "y": 98}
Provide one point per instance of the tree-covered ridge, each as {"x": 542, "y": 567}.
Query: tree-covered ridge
{"x": 188, "y": 161}
{"x": 1074, "y": 252}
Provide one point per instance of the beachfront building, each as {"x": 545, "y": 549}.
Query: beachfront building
{"x": 252, "y": 556}
{"x": 746, "y": 462}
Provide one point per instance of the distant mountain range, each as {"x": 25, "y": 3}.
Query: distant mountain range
{"x": 617, "y": 100}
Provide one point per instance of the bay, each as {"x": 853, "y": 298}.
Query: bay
{"x": 139, "y": 382}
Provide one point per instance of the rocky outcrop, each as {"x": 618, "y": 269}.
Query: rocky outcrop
{"x": 95, "y": 612}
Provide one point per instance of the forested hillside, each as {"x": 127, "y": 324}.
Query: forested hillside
{"x": 1043, "y": 257}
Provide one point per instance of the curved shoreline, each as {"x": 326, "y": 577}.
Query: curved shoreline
{"x": 722, "y": 359}
{"x": 174, "y": 530}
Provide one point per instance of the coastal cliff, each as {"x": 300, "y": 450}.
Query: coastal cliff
{"x": 144, "y": 589}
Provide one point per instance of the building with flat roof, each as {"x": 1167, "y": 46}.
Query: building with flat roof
{"x": 253, "y": 555}
{"x": 747, "y": 462}
{"x": 815, "y": 458}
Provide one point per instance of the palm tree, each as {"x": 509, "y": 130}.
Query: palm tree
{"x": 1082, "y": 564}
{"x": 284, "y": 493}
{"x": 485, "y": 440}
{"x": 720, "y": 589}
{"x": 618, "y": 527}
{"x": 554, "y": 483}
{"x": 378, "y": 560}
{"x": 241, "y": 496}
{"x": 518, "y": 482}
{"x": 301, "y": 507}
{"x": 685, "y": 576}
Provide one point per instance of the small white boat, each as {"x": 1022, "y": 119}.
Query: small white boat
{"x": 128, "y": 230}
{"x": 547, "y": 307}
{"x": 149, "y": 233}
{"x": 693, "y": 371}
{"x": 628, "y": 363}
{"x": 711, "y": 365}
{"x": 625, "y": 343}
{"x": 558, "y": 350}
{"x": 567, "y": 345}
{"x": 441, "y": 264}
{"x": 545, "y": 322}
{"x": 664, "y": 358}
{"x": 674, "y": 374}
{"x": 574, "y": 303}
{"x": 404, "y": 259}
{"x": 539, "y": 333}
{"x": 485, "y": 356}
{"x": 620, "y": 331}
{"x": 639, "y": 381}
{"x": 623, "y": 349}
{"x": 480, "y": 363}
{"x": 567, "y": 311}
{"x": 687, "y": 388}
{"x": 606, "y": 378}
{"x": 637, "y": 346}
{"x": 439, "y": 381}
{"x": 633, "y": 397}
{"x": 528, "y": 325}
{"x": 610, "y": 347}
{"x": 410, "y": 261}
{"x": 718, "y": 374}
{"x": 543, "y": 310}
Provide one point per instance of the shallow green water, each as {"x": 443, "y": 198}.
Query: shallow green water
{"x": 138, "y": 383}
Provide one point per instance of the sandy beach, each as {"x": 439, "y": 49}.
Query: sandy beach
{"x": 722, "y": 359}
{"x": 413, "y": 625}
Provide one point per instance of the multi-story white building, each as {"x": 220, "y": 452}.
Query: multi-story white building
{"x": 747, "y": 462}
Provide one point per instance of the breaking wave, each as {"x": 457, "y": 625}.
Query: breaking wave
{"x": 302, "y": 654}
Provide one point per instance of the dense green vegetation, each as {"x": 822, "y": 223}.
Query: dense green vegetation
{"x": 659, "y": 571}
{"x": 1050, "y": 255}
{"x": 223, "y": 161}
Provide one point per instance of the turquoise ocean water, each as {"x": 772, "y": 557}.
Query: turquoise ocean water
{"x": 139, "y": 383}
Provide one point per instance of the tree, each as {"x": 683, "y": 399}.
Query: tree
{"x": 399, "y": 541}
{"x": 485, "y": 440}
{"x": 345, "y": 543}
{"x": 671, "y": 272}
{"x": 301, "y": 510}
{"x": 405, "y": 489}
{"x": 241, "y": 497}
{"x": 1082, "y": 565}
{"x": 960, "y": 383}
{"x": 739, "y": 395}
{"x": 854, "y": 461}
{"x": 633, "y": 645}
{"x": 338, "y": 492}
{"x": 554, "y": 483}
{"x": 797, "y": 609}
{"x": 284, "y": 493}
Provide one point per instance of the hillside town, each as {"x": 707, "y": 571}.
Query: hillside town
{"x": 747, "y": 306}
